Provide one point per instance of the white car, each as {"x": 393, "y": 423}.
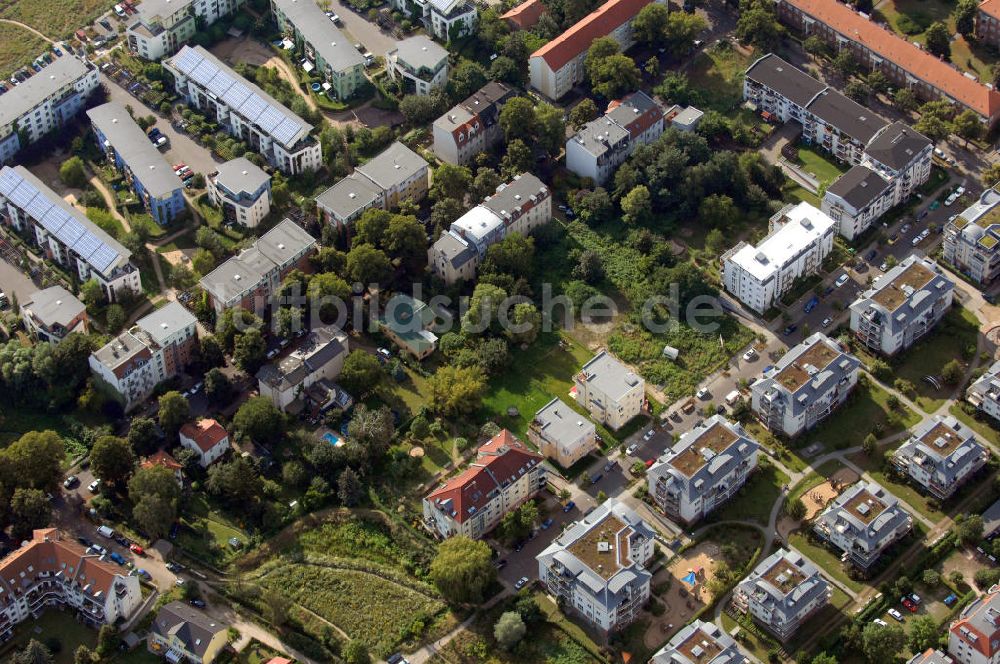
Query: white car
{"x": 750, "y": 355}
{"x": 94, "y": 486}
{"x": 826, "y": 322}
{"x": 939, "y": 153}
{"x": 522, "y": 582}
{"x": 702, "y": 393}
{"x": 647, "y": 435}
{"x": 917, "y": 240}
{"x": 631, "y": 449}
{"x": 880, "y": 622}
{"x": 841, "y": 280}
{"x": 896, "y": 614}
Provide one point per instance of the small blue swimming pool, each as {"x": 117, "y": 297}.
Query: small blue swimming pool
{"x": 316, "y": 87}
{"x": 332, "y": 439}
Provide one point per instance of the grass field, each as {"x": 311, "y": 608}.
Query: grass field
{"x": 866, "y": 410}
{"x": 814, "y": 479}
{"x": 207, "y": 533}
{"x": 797, "y": 193}
{"x": 18, "y": 47}
{"x": 984, "y": 427}
{"x": 717, "y": 74}
{"x": 818, "y": 165}
{"x": 754, "y": 501}
{"x": 53, "y": 624}
{"x": 58, "y": 18}
{"x": 825, "y": 558}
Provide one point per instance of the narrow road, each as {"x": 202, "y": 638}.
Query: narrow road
{"x": 28, "y": 28}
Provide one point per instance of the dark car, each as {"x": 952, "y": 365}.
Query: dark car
{"x": 84, "y": 541}
{"x": 811, "y": 304}
{"x": 122, "y": 541}
{"x": 519, "y": 545}
{"x": 500, "y": 564}
{"x": 174, "y": 530}
{"x": 871, "y": 254}
{"x": 174, "y": 567}
{"x": 596, "y": 478}
{"x": 199, "y": 603}
{"x": 569, "y": 506}
{"x": 790, "y": 329}
{"x": 547, "y": 523}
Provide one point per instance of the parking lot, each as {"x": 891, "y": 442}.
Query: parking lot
{"x": 360, "y": 30}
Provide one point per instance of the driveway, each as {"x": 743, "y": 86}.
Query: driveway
{"x": 12, "y": 280}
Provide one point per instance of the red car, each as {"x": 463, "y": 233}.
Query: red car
{"x": 137, "y": 550}
{"x": 650, "y": 462}
{"x": 179, "y": 166}
{"x": 910, "y": 606}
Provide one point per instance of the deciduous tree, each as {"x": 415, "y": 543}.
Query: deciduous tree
{"x": 463, "y": 569}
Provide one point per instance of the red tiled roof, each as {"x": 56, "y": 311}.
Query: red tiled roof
{"x": 162, "y": 458}
{"x": 599, "y": 23}
{"x": 917, "y": 62}
{"x": 499, "y": 461}
{"x": 206, "y": 433}
{"x": 525, "y": 14}
{"x": 991, "y": 7}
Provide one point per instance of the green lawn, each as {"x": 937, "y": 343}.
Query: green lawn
{"x": 208, "y": 532}
{"x": 55, "y": 625}
{"x": 754, "y": 501}
{"x": 985, "y": 427}
{"x": 140, "y": 655}
{"x": 821, "y": 622}
{"x": 787, "y": 457}
{"x": 823, "y": 168}
{"x": 257, "y": 653}
{"x": 18, "y": 48}
{"x": 825, "y": 558}
{"x": 956, "y": 333}
{"x": 866, "y": 411}
{"x": 717, "y": 74}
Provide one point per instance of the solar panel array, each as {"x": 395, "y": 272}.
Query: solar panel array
{"x": 270, "y": 117}
{"x": 72, "y": 232}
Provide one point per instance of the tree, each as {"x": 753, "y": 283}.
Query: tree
{"x": 91, "y": 292}
{"x": 451, "y": 181}
{"x": 210, "y": 352}
{"x": 115, "y": 318}
{"x": 526, "y": 322}
{"x": 361, "y": 373}
{"x": 259, "y": 420}
{"x": 456, "y": 390}
{"x": 650, "y": 24}
{"x": 878, "y": 82}
{"x": 938, "y": 40}
{"x": 421, "y": 109}
{"x": 796, "y": 509}
{"x": 858, "y": 91}
{"x": 367, "y": 265}
{"x": 236, "y": 481}
{"x": 510, "y": 628}
{"x": 965, "y": 16}
{"x": 142, "y": 436}
{"x": 636, "y": 205}
{"x": 72, "y": 173}
{"x": 218, "y": 388}
{"x": 923, "y": 633}
{"x": 550, "y": 128}
{"x": 107, "y": 640}
{"x": 111, "y": 459}
{"x": 814, "y": 45}
{"x": 250, "y": 351}
{"x": 758, "y": 26}
{"x": 586, "y": 110}
{"x": 407, "y": 240}
{"x": 356, "y": 652}
{"x": 991, "y": 175}
{"x": 203, "y": 261}
{"x": 719, "y": 211}
{"x": 935, "y": 120}
{"x": 465, "y": 79}
{"x": 681, "y": 30}
{"x": 506, "y": 70}
{"x": 513, "y": 255}
{"x": 84, "y": 655}
{"x": 905, "y": 100}
{"x": 589, "y": 267}
{"x": 517, "y": 119}
{"x": 615, "y": 76}
{"x": 517, "y": 160}
{"x": 967, "y": 125}
{"x": 845, "y": 63}
{"x": 371, "y": 430}
{"x": 931, "y": 578}
{"x": 970, "y": 529}
{"x": 33, "y": 653}
{"x": 276, "y": 606}
{"x": 485, "y": 183}
{"x": 33, "y": 461}
{"x": 952, "y": 372}
{"x": 154, "y": 494}
{"x": 882, "y": 644}
{"x": 29, "y": 509}
{"x": 174, "y": 411}
{"x": 463, "y": 569}
{"x": 349, "y": 488}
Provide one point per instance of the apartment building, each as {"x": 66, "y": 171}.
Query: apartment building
{"x": 984, "y": 393}
{"x": 419, "y": 64}
{"x": 243, "y": 191}
{"x": 863, "y": 521}
{"x": 611, "y": 392}
{"x": 975, "y": 637}
{"x": 597, "y": 566}
{"x": 559, "y": 65}
{"x": 930, "y": 656}
{"x": 700, "y": 642}
{"x": 52, "y": 313}
{"x": 146, "y": 170}
{"x": 808, "y": 383}
{"x": 330, "y": 51}
{"x": 602, "y": 145}
{"x": 988, "y": 22}
{"x": 703, "y": 470}
{"x": 504, "y": 475}
{"x": 524, "y": 15}
{"x": 940, "y": 456}
{"x": 156, "y": 348}
{"x": 782, "y": 592}
{"x": 448, "y": 20}
{"x": 518, "y": 206}
{"x": 471, "y": 127}
{"x": 971, "y": 239}
{"x": 208, "y": 439}
{"x": 250, "y": 277}
{"x": 800, "y": 237}
{"x": 562, "y": 434}
{"x": 905, "y": 304}
{"x": 183, "y": 633}
{"x": 317, "y": 361}
{"x": 163, "y": 26}
{"x": 877, "y": 48}
{"x": 244, "y": 111}
{"x": 65, "y": 235}
{"x": 52, "y": 571}
{"x": 890, "y": 160}
{"x": 44, "y": 103}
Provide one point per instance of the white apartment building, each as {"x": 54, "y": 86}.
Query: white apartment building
{"x": 597, "y": 566}
{"x": 518, "y": 206}
{"x": 318, "y": 359}
{"x": 984, "y": 394}
{"x": 471, "y": 127}
{"x": 163, "y": 26}
{"x": 940, "y": 456}
{"x": 504, "y": 475}
{"x": 703, "y": 469}
{"x": 863, "y": 521}
{"x": 975, "y": 637}
{"x": 44, "y": 103}
{"x": 972, "y": 239}
{"x": 602, "y": 145}
{"x": 243, "y": 191}
{"x": 808, "y": 383}
{"x": 448, "y": 20}
{"x": 611, "y": 392}
{"x": 800, "y": 238}
{"x": 245, "y": 111}
{"x": 132, "y": 364}
{"x": 782, "y": 592}
{"x": 50, "y": 571}
{"x": 905, "y": 304}
{"x": 559, "y": 65}
{"x": 64, "y": 234}
{"x": 562, "y": 434}
{"x": 700, "y": 642}
{"x": 419, "y": 64}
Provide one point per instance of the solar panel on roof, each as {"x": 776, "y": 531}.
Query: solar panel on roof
{"x": 187, "y": 60}
{"x": 38, "y": 206}
{"x": 252, "y": 108}
{"x": 54, "y": 219}
{"x": 87, "y": 245}
{"x": 236, "y": 95}
{"x": 220, "y": 83}
{"x": 70, "y": 231}
{"x": 23, "y": 194}
{"x": 204, "y": 72}
{"x": 269, "y": 119}
{"x": 103, "y": 257}
{"x": 285, "y": 132}
{"x": 9, "y": 179}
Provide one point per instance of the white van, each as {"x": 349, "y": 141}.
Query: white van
{"x": 104, "y": 531}
{"x": 732, "y": 397}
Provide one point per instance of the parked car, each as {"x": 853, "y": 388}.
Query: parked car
{"x": 117, "y": 557}
{"x": 174, "y": 567}
{"x": 841, "y": 280}
{"x": 522, "y": 582}
{"x": 896, "y": 614}
{"x": 630, "y": 450}
{"x": 547, "y": 523}
{"x": 910, "y": 606}
{"x": 950, "y": 599}
{"x": 880, "y": 622}
{"x": 790, "y": 330}
{"x": 702, "y": 393}
{"x": 105, "y": 531}
{"x": 915, "y": 598}
{"x": 811, "y": 304}
{"x": 750, "y": 355}
{"x": 121, "y": 541}
{"x": 137, "y": 550}
{"x": 71, "y": 481}
{"x": 98, "y": 549}
{"x": 84, "y": 542}
{"x": 568, "y": 507}
{"x": 596, "y": 478}
{"x": 871, "y": 254}
{"x": 197, "y": 603}
{"x": 94, "y": 486}
{"x": 826, "y": 322}
{"x": 647, "y": 435}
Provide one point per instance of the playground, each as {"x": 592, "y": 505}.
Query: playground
{"x": 816, "y": 498}
{"x": 688, "y": 576}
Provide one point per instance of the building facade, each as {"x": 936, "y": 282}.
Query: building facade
{"x": 206, "y": 438}
{"x": 602, "y": 145}
{"x": 243, "y": 191}
{"x": 808, "y": 383}
{"x": 703, "y": 469}
{"x": 244, "y": 111}
{"x": 562, "y": 434}
{"x": 472, "y": 126}
{"x": 418, "y": 64}
{"x": 700, "y": 642}
{"x": 611, "y": 392}
{"x": 318, "y": 359}
{"x": 597, "y": 566}
{"x": 146, "y": 170}
{"x": 863, "y": 521}
{"x": 163, "y": 26}
{"x": 972, "y": 239}
{"x": 975, "y": 637}
{"x": 183, "y": 633}
{"x": 940, "y": 456}
{"x": 65, "y": 235}
{"x": 800, "y": 238}
{"x": 984, "y": 393}
{"x": 53, "y": 313}
{"x": 505, "y": 475}
{"x": 988, "y": 22}
{"x": 448, "y": 20}
{"x": 782, "y": 592}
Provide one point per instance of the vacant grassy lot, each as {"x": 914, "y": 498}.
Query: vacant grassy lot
{"x": 717, "y": 74}
{"x": 18, "y": 47}
{"x": 866, "y": 411}
{"x": 207, "y": 532}
{"x": 796, "y": 193}
{"x": 754, "y": 501}
{"x": 58, "y": 18}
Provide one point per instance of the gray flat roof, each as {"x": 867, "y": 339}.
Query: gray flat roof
{"x": 166, "y": 320}
{"x": 20, "y": 99}
{"x": 321, "y": 33}
{"x": 897, "y": 145}
{"x": 561, "y": 423}
{"x": 610, "y": 376}
{"x": 148, "y": 165}
{"x": 456, "y": 250}
{"x": 421, "y": 51}
{"x": 284, "y": 241}
{"x": 785, "y": 78}
{"x": 859, "y": 186}
{"x": 396, "y": 164}
{"x": 349, "y": 195}
{"x": 161, "y": 8}
{"x": 241, "y": 174}
{"x": 55, "y": 306}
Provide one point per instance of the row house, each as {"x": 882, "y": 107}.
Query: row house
{"x": 972, "y": 239}
{"x": 940, "y": 456}
{"x": 471, "y": 127}
{"x": 782, "y": 592}
{"x": 162, "y": 26}
{"x": 863, "y": 521}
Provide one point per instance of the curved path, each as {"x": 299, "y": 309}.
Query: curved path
{"x": 26, "y": 27}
